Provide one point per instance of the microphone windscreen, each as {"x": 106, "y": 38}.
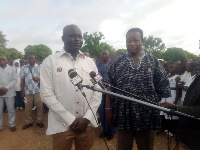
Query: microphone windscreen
{"x": 92, "y": 74}
{"x": 72, "y": 73}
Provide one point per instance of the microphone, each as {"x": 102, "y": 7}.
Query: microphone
{"x": 97, "y": 78}
{"x": 75, "y": 79}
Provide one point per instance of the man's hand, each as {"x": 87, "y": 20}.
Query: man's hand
{"x": 3, "y": 91}
{"x": 22, "y": 94}
{"x": 36, "y": 79}
{"x": 109, "y": 117}
{"x": 168, "y": 105}
{"x": 79, "y": 125}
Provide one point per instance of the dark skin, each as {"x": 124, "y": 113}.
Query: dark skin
{"x": 174, "y": 106}
{"x": 134, "y": 47}
{"x": 172, "y": 71}
{"x": 31, "y": 61}
{"x": 105, "y": 57}
{"x": 3, "y": 65}
{"x": 73, "y": 42}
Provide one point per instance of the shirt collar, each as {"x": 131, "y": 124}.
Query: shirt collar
{"x": 63, "y": 52}
{"x": 140, "y": 57}
{"x": 34, "y": 65}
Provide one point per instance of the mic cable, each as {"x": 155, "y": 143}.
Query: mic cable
{"x": 76, "y": 81}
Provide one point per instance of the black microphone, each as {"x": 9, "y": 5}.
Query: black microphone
{"x": 97, "y": 78}
{"x": 75, "y": 79}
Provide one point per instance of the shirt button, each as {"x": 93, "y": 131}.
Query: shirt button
{"x": 63, "y": 124}
{"x": 76, "y": 112}
{"x": 77, "y": 102}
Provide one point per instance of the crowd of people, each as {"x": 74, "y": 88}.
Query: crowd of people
{"x": 71, "y": 118}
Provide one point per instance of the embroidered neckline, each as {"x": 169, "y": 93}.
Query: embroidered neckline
{"x": 139, "y": 60}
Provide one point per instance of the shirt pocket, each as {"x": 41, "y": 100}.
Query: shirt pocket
{"x": 86, "y": 75}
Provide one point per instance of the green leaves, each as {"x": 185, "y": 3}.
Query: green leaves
{"x": 152, "y": 44}
{"x": 94, "y": 45}
{"x": 41, "y": 51}
{"x": 3, "y": 41}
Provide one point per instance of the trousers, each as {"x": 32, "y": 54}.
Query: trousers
{"x": 9, "y": 101}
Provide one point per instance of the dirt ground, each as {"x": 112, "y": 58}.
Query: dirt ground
{"x": 35, "y": 138}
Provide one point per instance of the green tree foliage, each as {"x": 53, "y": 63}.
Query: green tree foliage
{"x": 41, "y": 51}
{"x": 11, "y": 53}
{"x": 93, "y": 44}
{"x": 174, "y": 54}
{"x": 189, "y": 55}
{"x": 121, "y": 51}
{"x": 158, "y": 54}
{"x": 152, "y": 44}
{"x": 2, "y": 41}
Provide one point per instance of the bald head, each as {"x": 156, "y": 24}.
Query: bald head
{"x": 68, "y": 28}
{"x": 105, "y": 51}
{"x": 72, "y": 38}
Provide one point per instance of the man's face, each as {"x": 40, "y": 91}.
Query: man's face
{"x": 133, "y": 42}
{"x": 73, "y": 40}
{"x": 105, "y": 56}
{"x": 31, "y": 59}
{"x": 3, "y": 61}
{"x": 188, "y": 68}
{"x": 171, "y": 68}
{"x": 16, "y": 64}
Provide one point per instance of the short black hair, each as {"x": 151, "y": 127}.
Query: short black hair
{"x": 171, "y": 64}
{"x": 136, "y": 30}
{"x": 192, "y": 64}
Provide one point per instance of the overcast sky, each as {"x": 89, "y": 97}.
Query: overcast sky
{"x": 31, "y": 22}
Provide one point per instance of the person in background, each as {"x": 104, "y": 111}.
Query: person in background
{"x": 188, "y": 130}
{"x": 165, "y": 66}
{"x": 8, "y": 79}
{"x": 103, "y": 66}
{"x": 178, "y": 67}
{"x": 186, "y": 77}
{"x": 19, "y": 103}
{"x": 30, "y": 77}
{"x": 170, "y": 122}
{"x": 22, "y": 62}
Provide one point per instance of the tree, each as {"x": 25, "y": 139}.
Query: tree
{"x": 189, "y": 55}
{"x": 174, "y": 54}
{"x": 152, "y": 44}
{"x": 41, "y": 51}
{"x": 14, "y": 53}
{"x": 158, "y": 54}
{"x": 121, "y": 51}
{"x": 93, "y": 44}
{"x": 11, "y": 53}
{"x": 2, "y": 41}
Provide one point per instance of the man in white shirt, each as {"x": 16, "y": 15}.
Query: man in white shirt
{"x": 69, "y": 119}
{"x": 8, "y": 79}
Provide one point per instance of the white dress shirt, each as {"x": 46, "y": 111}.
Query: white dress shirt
{"x": 64, "y": 100}
{"x": 8, "y": 79}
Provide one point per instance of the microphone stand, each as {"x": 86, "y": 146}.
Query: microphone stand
{"x": 169, "y": 111}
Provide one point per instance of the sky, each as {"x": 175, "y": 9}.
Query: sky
{"x": 33, "y": 22}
